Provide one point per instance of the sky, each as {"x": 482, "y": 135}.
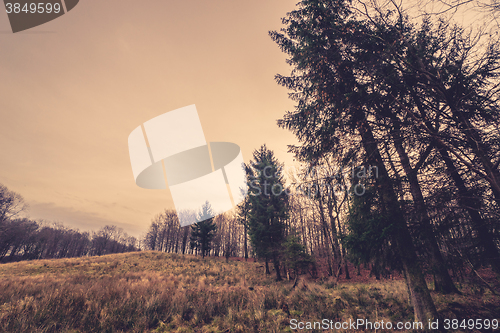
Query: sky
{"x": 73, "y": 89}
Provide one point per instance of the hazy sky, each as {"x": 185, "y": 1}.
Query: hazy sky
{"x": 73, "y": 89}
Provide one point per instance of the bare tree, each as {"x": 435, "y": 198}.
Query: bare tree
{"x": 11, "y": 204}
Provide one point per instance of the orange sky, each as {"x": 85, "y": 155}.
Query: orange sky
{"x": 73, "y": 89}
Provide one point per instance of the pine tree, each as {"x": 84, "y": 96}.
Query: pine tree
{"x": 295, "y": 256}
{"x": 267, "y": 206}
{"x": 203, "y": 231}
{"x": 334, "y": 55}
{"x": 370, "y": 231}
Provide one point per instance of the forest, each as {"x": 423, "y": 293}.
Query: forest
{"x": 397, "y": 166}
{"x": 398, "y": 161}
{"x": 22, "y": 238}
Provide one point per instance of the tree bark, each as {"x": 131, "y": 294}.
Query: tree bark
{"x": 423, "y": 306}
{"x": 245, "y": 243}
{"x": 276, "y": 263}
{"x": 472, "y": 205}
{"x": 442, "y": 280}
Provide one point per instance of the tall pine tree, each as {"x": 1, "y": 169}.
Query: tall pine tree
{"x": 332, "y": 53}
{"x": 267, "y": 206}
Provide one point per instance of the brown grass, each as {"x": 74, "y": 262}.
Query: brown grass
{"x": 157, "y": 292}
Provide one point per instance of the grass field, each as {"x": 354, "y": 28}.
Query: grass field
{"x": 157, "y": 292}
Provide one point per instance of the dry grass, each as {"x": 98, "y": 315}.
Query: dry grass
{"x": 157, "y": 292}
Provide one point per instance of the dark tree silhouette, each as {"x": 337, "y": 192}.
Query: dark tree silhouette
{"x": 267, "y": 206}
{"x": 203, "y": 232}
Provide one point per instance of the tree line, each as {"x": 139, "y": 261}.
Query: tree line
{"x": 24, "y": 239}
{"x": 224, "y": 231}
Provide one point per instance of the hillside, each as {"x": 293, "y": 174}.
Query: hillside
{"x": 158, "y": 292}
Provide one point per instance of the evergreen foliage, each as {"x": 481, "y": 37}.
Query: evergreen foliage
{"x": 267, "y": 206}
{"x": 295, "y": 256}
{"x": 203, "y": 231}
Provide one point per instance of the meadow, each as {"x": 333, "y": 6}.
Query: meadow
{"x": 157, "y": 292}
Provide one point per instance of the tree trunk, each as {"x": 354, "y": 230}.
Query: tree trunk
{"x": 276, "y": 263}
{"x": 442, "y": 280}
{"x": 335, "y": 234}
{"x": 326, "y": 236}
{"x": 423, "y": 306}
{"x": 472, "y": 205}
{"x": 184, "y": 239}
{"x": 481, "y": 150}
{"x": 245, "y": 243}
{"x": 347, "y": 275}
